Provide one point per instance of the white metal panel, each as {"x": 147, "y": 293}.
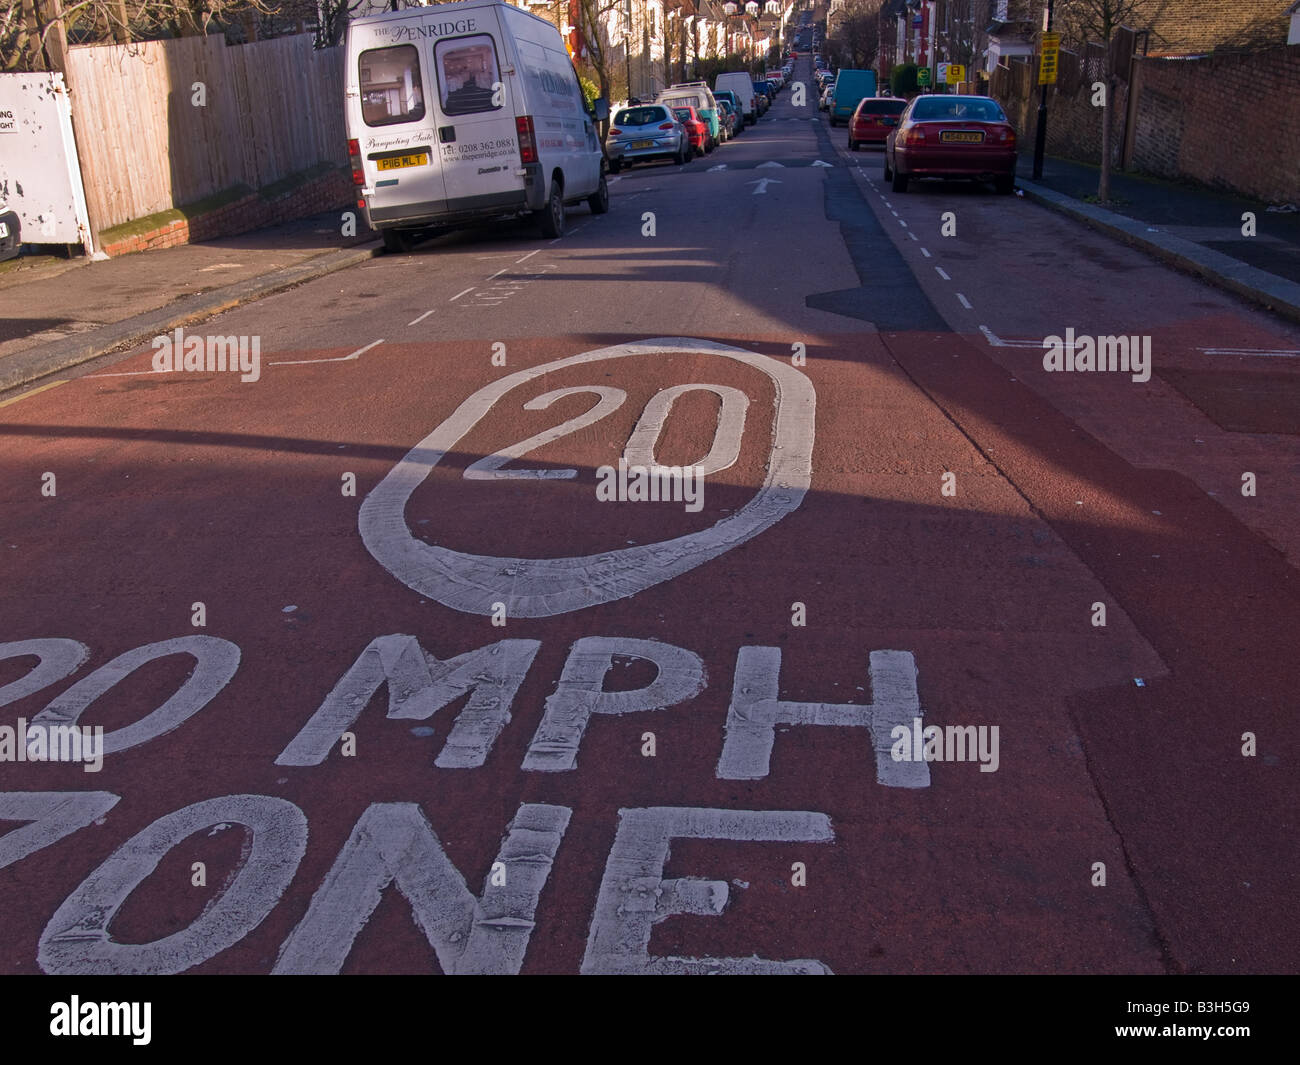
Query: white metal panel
{"x": 40, "y": 178}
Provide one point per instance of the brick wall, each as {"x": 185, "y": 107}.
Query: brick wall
{"x": 1230, "y": 122}
{"x": 331, "y": 191}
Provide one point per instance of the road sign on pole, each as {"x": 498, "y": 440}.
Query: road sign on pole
{"x": 956, "y": 74}
{"x": 1048, "y": 62}
{"x": 923, "y": 76}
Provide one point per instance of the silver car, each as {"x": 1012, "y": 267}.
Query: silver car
{"x": 648, "y": 131}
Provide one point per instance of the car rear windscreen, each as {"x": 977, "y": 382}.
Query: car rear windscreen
{"x": 640, "y": 116}
{"x": 956, "y": 109}
{"x": 883, "y": 107}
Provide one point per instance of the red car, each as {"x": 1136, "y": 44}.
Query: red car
{"x": 698, "y": 129}
{"x": 868, "y": 124}
{"x": 952, "y": 137}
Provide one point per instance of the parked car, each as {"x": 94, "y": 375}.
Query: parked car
{"x": 640, "y": 134}
{"x": 851, "y": 87}
{"x": 698, "y": 95}
{"x": 698, "y": 130}
{"x": 727, "y": 119}
{"x": 741, "y": 85}
{"x": 825, "y": 104}
{"x": 737, "y": 109}
{"x": 432, "y": 144}
{"x": 11, "y": 233}
{"x": 761, "y": 97}
{"x": 952, "y": 137}
{"x": 873, "y": 120}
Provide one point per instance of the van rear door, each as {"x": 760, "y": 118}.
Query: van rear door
{"x": 476, "y": 104}
{"x": 390, "y": 116}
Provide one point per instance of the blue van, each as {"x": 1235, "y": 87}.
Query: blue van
{"x": 851, "y": 88}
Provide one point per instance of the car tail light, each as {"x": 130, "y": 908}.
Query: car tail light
{"x": 614, "y": 131}
{"x": 666, "y": 125}
{"x": 1006, "y": 135}
{"x": 915, "y": 135}
{"x": 527, "y": 141}
{"x": 354, "y": 157}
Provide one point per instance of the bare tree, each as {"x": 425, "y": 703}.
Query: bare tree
{"x": 1095, "y": 21}
{"x": 856, "y": 39}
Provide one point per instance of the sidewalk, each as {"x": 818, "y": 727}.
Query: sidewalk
{"x": 1196, "y": 230}
{"x": 59, "y": 314}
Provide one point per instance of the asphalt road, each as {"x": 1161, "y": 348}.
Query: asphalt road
{"x": 685, "y": 714}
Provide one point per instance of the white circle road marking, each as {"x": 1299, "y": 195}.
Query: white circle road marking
{"x": 549, "y": 586}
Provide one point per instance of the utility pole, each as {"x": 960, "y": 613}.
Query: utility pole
{"x": 1040, "y": 134}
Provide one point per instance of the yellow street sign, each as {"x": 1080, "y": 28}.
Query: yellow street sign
{"x": 956, "y": 73}
{"x": 1048, "y": 61}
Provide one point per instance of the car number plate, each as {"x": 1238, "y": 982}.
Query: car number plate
{"x": 955, "y": 136}
{"x": 642, "y": 144}
{"x": 397, "y": 162}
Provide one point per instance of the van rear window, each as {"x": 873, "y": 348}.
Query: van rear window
{"x": 391, "y": 90}
{"x": 468, "y": 75}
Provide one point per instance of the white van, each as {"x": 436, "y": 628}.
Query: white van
{"x": 742, "y": 85}
{"x": 467, "y": 111}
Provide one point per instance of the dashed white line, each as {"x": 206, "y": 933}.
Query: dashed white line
{"x": 902, "y": 223}
{"x": 912, "y": 235}
{"x": 459, "y": 294}
{"x": 964, "y": 301}
{"x": 528, "y": 256}
{"x": 926, "y": 253}
{"x": 420, "y": 319}
{"x": 497, "y": 274}
{"x": 894, "y": 213}
{"x": 942, "y": 273}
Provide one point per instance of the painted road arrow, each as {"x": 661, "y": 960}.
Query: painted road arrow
{"x": 762, "y": 184}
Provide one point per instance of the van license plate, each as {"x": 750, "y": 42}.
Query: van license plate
{"x": 952, "y": 136}
{"x": 396, "y": 162}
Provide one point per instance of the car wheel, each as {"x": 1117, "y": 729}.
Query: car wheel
{"x": 397, "y": 241}
{"x": 551, "y": 217}
{"x": 900, "y": 182}
{"x": 598, "y": 201}
{"x": 1005, "y": 186}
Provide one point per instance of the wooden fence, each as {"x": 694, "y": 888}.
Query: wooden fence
{"x": 164, "y": 124}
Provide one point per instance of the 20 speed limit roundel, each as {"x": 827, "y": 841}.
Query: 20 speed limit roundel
{"x": 542, "y": 587}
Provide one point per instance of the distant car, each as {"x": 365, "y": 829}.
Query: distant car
{"x": 762, "y": 96}
{"x": 952, "y": 137}
{"x": 736, "y": 108}
{"x": 872, "y": 121}
{"x": 640, "y": 134}
{"x": 827, "y": 93}
{"x": 11, "y": 234}
{"x": 697, "y": 128}
{"x": 727, "y": 119}
{"x": 698, "y": 95}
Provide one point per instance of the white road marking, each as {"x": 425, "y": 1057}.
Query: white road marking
{"x": 76, "y": 941}
{"x": 997, "y": 341}
{"x": 769, "y": 163}
{"x": 394, "y": 843}
{"x": 727, "y": 435}
{"x": 1280, "y": 352}
{"x": 528, "y": 256}
{"x": 894, "y": 213}
{"x": 926, "y": 253}
{"x": 215, "y": 662}
{"x": 964, "y": 301}
{"x": 942, "y": 273}
{"x": 462, "y": 293}
{"x": 51, "y": 816}
{"x": 545, "y": 587}
{"x": 580, "y": 693}
{"x": 420, "y": 319}
{"x": 756, "y": 712}
{"x": 346, "y": 358}
{"x": 762, "y": 184}
{"x": 490, "y": 277}
{"x": 912, "y": 235}
{"x": 59, "y": 658}
{"x": 634, "y": 896}
{"x": 820, "y": 163}
{"x": 720, "y": 166}
{"x": 902, "y": 223}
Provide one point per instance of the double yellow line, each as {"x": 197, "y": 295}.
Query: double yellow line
{"x": 42, "y": 388}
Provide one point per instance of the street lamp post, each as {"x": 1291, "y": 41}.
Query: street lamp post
{"x": 1040, "y": 133}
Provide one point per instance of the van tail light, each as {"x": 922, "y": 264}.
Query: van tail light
{"x": 527, "y": 140}
{"x": 354, "y": 158}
